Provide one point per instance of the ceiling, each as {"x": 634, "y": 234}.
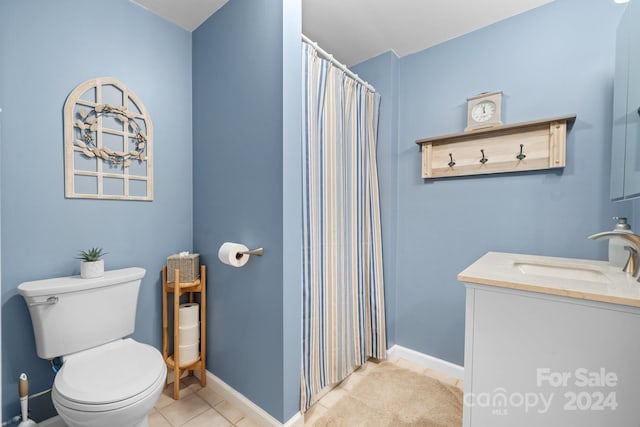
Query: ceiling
{"x": 188, "y": 14}
{"x": 356, "y": 30}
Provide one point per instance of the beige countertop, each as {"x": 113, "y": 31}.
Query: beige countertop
{"x": 569, "y": 277}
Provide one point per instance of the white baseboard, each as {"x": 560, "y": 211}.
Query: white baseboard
{"x": 427, "y": 361}
{"x": 185, "y": 374}
{"x": 251, "y": 410}
{"x": 296, "y": 421}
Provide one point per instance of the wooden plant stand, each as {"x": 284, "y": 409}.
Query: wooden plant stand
{"x": 173, "y": 361}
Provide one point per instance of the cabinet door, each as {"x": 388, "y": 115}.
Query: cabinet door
{"x": 519, "y": 340}
{"x": 619, "y": 133}
{"x": 632, "y": 163}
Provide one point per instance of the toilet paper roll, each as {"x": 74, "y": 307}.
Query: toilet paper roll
{"x": 189, "y": 334}
{"x": 189, "y": 353}
{"x": 229, "y": 254}
{"x": 189, "y": 314}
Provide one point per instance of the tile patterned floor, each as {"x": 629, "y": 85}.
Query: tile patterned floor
{"x": 197, "y": 407}
{"x": 333, "y": 396}
{"x": 202, "y": 407}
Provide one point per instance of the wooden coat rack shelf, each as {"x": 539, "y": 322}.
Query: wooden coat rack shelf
{"x": 178, "y": 289}
{"x": 539, "y": 144}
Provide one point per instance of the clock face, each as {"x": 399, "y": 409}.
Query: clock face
{"x": 483, "y": 111}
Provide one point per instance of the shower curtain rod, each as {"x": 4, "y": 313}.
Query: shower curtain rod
{"x": 337, "y": 63}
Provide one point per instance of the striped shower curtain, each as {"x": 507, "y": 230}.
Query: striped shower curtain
{"x": 343, "y": 291}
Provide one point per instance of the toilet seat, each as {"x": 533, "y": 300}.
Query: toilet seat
{"x": 109, "y": 377}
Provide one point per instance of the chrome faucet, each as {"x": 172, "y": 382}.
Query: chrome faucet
{"x": 632, "y": 266}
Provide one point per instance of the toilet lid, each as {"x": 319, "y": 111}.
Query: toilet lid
{"x": 109, "y": 373}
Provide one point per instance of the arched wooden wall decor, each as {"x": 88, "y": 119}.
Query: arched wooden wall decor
{"x": 108, "y": 143}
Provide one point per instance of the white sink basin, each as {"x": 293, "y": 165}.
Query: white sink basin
{"x": 562, "y": 270}
{"x": 566, "y": 277}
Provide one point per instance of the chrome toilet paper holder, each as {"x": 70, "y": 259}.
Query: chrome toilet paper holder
{"x": 257, "y": 251}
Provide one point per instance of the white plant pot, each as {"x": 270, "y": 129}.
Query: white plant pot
{"x": 91, "y": 270}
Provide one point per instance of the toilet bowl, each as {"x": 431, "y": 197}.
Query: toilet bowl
{"x": 116, "y": 384}
{"x": 106, "y": 380}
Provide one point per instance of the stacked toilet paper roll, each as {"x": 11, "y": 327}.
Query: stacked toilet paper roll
{"x": 189, "y": 333}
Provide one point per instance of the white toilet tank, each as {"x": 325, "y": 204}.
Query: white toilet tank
{"x": 70, "y": 314}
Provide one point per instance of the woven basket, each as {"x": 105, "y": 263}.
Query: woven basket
{"x": 189, "y": 266}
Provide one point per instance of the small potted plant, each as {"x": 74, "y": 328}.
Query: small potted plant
{"x": 92, "y": 264}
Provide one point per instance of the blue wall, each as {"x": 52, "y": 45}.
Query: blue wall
{"x": 246, "y": 175}
{"x": 292, "y": 206}
{"x": 382, "y": 73}
{"x": 553, "y": 60}
{"x": 1, "y": 133}
{"x": 245, "y": 119}
{"x": 47, "y": 48}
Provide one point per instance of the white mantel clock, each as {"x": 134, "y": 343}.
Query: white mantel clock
{"x": 484, "y": 111}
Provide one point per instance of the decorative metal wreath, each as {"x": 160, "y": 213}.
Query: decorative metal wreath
{"x": 89, "y": 124}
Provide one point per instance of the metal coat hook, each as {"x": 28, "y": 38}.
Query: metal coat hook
{"x": 451, "y": 163}
{"x": 521, "y": 155}
{"x": 483, "y": 160}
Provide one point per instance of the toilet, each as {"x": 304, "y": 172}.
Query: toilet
{"x": 106, "y": 379}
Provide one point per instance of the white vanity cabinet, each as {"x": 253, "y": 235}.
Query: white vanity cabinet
{"x": 549, "y": 355}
